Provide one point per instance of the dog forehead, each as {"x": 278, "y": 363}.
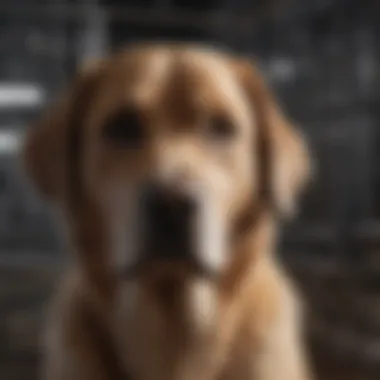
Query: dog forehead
{"x": 154, "y": 74}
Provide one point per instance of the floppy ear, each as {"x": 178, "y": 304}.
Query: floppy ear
{"x": 46, "y": 148}
{"x": 289, "y": 161}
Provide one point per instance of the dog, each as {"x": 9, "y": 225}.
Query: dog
{"x": 170, "y": 167}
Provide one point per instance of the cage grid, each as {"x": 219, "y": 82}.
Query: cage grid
{"x": 319, "y": 56}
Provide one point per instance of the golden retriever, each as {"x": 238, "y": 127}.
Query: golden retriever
{"x": 170, "y": 166}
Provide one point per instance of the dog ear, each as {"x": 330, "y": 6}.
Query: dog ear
{"x": 289, "y": 161}
{"x": 46, "y": 146}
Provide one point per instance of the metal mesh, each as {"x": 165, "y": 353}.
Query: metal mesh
{"x": 323, "y": 59}
{"x": 320, "y": 56}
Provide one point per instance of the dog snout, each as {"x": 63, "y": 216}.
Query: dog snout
{"x": 169, "y": 217}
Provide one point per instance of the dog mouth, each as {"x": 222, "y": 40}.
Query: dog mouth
{"x": 169, "y": 254}
{"x": 168, "y": 250}
{"x": 169, "y": 237}
{"x": 168, "y": 269}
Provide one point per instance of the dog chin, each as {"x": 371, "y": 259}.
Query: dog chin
{"x": 169, "y": 269}
{"x": 205, "y": 257}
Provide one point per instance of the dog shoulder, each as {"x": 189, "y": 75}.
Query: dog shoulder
{"x": 274, "y": 327}
{"x": 270, "y": 294}
{"x": 68, "y": 346}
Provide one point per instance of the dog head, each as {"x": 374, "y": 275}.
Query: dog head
{"x": 159, "y": 147}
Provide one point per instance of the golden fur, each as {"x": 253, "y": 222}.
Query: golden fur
{"x": 246, "y": 325}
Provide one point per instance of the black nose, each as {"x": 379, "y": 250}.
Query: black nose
{"x": 169, "y": 220}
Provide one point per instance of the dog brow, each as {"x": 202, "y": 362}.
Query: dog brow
{"x": 180, "y": 93}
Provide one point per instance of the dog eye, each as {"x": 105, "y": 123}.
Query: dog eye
{"x": 221, "y": 128}
{"x": 124, "y": 129}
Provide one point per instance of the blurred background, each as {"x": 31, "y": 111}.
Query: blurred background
{"x": 323, "y": 59}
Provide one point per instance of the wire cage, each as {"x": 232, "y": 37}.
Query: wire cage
{"x": 322, "y": 59}
{"x": 322, "y": 62}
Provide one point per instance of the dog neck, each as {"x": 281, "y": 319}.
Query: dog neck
{"x": 187, "y": 312}
{"x": 255, "y": 245}
{"x": 193, "y": 322}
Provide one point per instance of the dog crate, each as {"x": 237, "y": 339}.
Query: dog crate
{"x": 322, "y": 62}
{"x": 322, "y": 59}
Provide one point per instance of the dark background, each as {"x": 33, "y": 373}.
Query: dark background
{"x": 323, "y": 59}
